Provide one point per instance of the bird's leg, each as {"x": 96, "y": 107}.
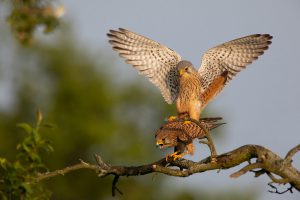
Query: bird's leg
{"x": 190, "y": 148}
{"x": 183, "y": 115}
{"x": 171, "y": 155}
{"x": 172, "y": 118}
{"x": 180, "y": 155}
{"x": 175, "y": 155}
{"x": 187, "y": 122}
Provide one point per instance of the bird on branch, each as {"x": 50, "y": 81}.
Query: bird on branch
{"x": 177, "y": 79}
{"x": 181, "y": 135}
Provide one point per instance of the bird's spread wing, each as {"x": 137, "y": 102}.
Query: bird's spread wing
{"x": 232, "y": 56}
{"x": 153, "y": 60}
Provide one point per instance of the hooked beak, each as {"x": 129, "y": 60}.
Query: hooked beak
{"x": 159, "y": 144}
{"x": 181, "y": 72}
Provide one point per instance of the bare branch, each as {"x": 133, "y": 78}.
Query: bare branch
{"x": 291, "y": 153}
{"x": 81, "y": 165}
{"x": 245, "y": 169}
{"x": 277, "y": 180}
{"x": 266, "y": 161}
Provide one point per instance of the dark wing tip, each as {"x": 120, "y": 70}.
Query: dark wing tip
{"x": 267, "y": 36}
{"x": 112, "y": 42}
{"x": 256, "y": 35}
{"x": 116, "y": 48}
{"x": 110, "y": 35}
{"x": 115, "y": 32}
{"x": 123, "y": 29}
{"x": 112, "y": 31}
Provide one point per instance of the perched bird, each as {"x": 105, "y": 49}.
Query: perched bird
{"x": 181, "y": 135}
{"x": 177, "y": 79}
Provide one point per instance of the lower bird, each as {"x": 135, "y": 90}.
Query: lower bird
{"x": 178, "y": 80}
{"x": 181, "y": 135}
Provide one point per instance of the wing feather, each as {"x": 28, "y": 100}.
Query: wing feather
{"x": 152, "y": 59}
{"x": 232, "y": 56}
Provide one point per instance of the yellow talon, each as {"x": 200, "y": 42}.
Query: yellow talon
{"x": 171, "y": 118}
{"x": 169, "y": 156}
{"x": 175, "y": 156}
{"x": 186, "y": 122}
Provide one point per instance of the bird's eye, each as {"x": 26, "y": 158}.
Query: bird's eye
{"x": 186, "y": 68}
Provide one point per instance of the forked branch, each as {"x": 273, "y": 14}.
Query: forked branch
{"x": 266, "y": 162}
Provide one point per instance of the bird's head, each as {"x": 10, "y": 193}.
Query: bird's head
{"x": 165, "y": 139}
{"x": 185, "y": 67}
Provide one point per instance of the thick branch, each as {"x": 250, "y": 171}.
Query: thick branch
{"x": 269, "y": 163}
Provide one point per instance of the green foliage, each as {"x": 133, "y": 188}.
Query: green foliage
{"x": 92, "y": 115}
{"x": 27, "y": 15}
{"x": 18, "y": 178}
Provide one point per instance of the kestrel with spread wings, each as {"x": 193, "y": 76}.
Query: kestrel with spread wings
{"x": 177, "y": 79}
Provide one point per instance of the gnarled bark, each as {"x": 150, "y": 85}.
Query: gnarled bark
{"x": 266, "y": 162}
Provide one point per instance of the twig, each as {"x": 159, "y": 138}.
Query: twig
{"x": 114, "y": 186}
{"x": 277, "y": 191}
{"x": 291, "y": 153}
{"x": 66, "y": 170}
{"x": 258, "y": 173}
{"x": 245, "y": 169}
{"x": 277, "y": 180}
{"x": 100, "y": 162}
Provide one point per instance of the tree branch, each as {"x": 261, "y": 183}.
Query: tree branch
{"x": 268, "y": 162}
{"x": 291, "y": 153}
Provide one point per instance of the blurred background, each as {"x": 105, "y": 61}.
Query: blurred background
{"x": 100, "y": 105}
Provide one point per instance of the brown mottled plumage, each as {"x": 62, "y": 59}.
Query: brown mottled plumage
{"x": 180, "y": 135}
{"x": 177, "y": 79}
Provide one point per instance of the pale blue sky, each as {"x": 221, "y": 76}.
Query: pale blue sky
{"x": 261, "y": 105}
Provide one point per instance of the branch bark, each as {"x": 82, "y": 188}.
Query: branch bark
{"x": 267, "y": 162}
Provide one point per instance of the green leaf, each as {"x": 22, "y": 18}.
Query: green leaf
{"x": 26, "y": 127}
{"x": 36, "y": 135}
{"x": 50, "y": 148}
{"x": 3, "y": 163}
{"x": 35, "y": 157}
{"x": 18, "y": 167}
{"x": 26, "y": 147}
